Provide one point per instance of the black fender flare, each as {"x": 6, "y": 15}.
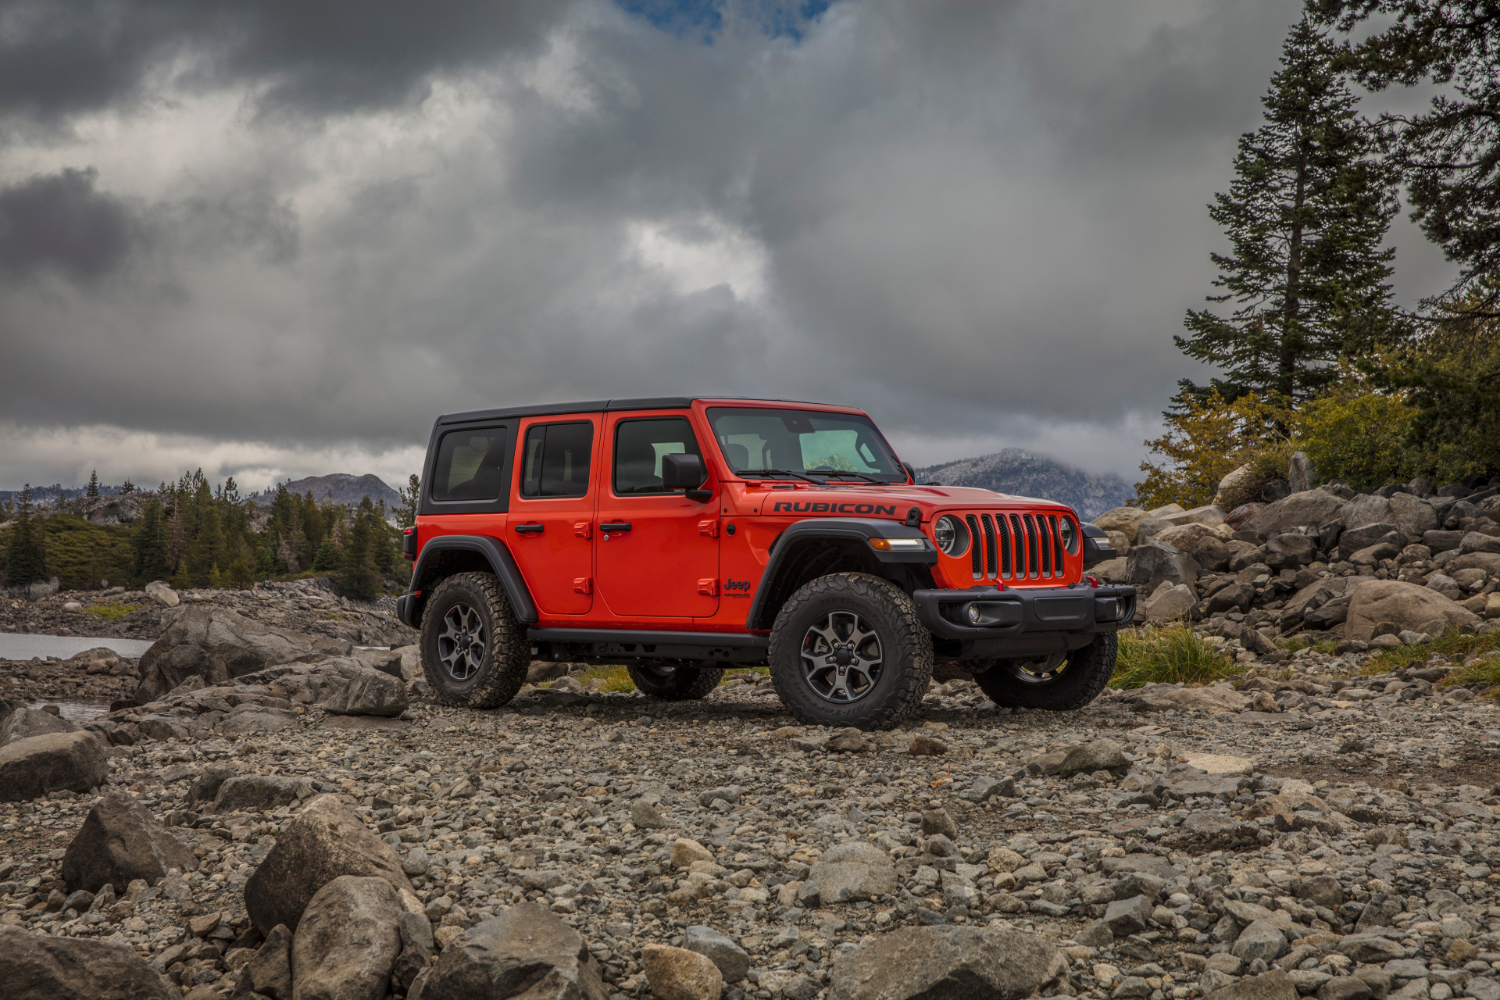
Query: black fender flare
{"x": 859, "y": 529}
{"x": 502, "y": 564}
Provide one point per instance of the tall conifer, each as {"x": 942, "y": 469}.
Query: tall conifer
{"x": 26, "y": 555}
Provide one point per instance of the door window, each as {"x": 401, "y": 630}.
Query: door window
{"x": 556, "y": 459}
{"x": 639, "y": 448}
{"x": 470, "y": 465}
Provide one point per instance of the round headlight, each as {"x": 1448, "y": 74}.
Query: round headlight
{"x": 951, "y": 535}
{"x": 1069, "y": 534}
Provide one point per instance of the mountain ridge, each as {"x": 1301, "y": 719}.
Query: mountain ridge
{"x": 1028, "y": 473}
{"x": 338, "y": 488}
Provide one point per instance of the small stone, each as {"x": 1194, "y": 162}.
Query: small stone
{"x": 1262, "y": 940}
{"x": 926, "y": 746}
{"x": 686, "y": 851}
{"x": 732, "y": 960}
{"x": 645, "y": 815}
{"x": 415, "y": 863}
{"x": 1128, "y": 916}
{"x": 937, "y": 821}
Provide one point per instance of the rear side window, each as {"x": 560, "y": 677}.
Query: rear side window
{"x": 555, "y": 460}
{"x": 470, "y": 465}
{"x": 639, "y": 447}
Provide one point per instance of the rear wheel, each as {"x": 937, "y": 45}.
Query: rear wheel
{"x": 474, "y": 651}
{"x": 1062, "y": 682}
{"x": 670, "y": 682}
{"x": 848, "y": 650}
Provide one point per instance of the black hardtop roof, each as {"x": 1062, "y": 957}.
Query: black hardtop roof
{"x": 596, "y": 406}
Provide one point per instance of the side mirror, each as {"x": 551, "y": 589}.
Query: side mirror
{"x": 682, "y": 472}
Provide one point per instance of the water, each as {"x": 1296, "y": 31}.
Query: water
{"x": 76, "y": 712}
{"x": 15, "y": 646}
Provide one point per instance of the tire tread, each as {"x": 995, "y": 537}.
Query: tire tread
{"x": 507, "y": 658}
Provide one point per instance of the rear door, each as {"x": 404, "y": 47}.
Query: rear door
{"x": 549, "y": 530}
{"x": 657, "y": 552}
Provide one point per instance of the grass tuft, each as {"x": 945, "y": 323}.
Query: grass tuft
{"x": 1297, "y": 642}
{"x": 1169, "y": 655}
{"x": 109, "y": 612}
{"x": 1485, "y": 671}
{"x": 1454, "y": 645}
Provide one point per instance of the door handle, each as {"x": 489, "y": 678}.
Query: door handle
{"x": 530, "y": 529}
{"x": 615, "y": 526}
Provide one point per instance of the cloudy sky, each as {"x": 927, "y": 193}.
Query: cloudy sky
{"x": 274, "y": 239}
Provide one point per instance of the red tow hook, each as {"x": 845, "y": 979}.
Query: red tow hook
{"x": 1092, "y": 582}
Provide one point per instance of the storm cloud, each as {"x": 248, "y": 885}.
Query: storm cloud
{"x": 290, "y": 233}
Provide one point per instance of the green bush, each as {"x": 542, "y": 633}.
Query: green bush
{"x": 1357, "y": 437}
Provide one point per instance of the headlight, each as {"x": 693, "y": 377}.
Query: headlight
{"x": 951, "y": 535}
{"x": 1069, "y": 534}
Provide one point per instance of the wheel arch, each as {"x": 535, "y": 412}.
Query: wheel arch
{"x": 813, "y": 548}
{"x": 446, "y": 555}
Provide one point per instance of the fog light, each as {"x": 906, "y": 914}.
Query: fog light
{"x": 1119, "y": 609}
{"x": 973, "y": 613}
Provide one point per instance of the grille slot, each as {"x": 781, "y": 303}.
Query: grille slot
{"x": 973, "y": 524}
{"x": 1003, "y": 529}
{"x": 1031, "y": 553}
{"x": 1046, "y": 543}
{"x": 1020, "y": 544}
{"x": 989, "y": 545}
{"x": 1057, "y": 546}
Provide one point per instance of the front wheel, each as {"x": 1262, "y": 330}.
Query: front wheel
{"x": 474, "y": 651}
{"x": 1059, "y": 683}
{"x": 670, "y": 682}
{"x": 849, "y": 650}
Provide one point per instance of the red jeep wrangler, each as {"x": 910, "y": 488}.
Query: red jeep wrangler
{"x": 684, "y": 536}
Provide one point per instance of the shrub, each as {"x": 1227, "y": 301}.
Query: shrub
{"x": 1169, "y": 655}
{"x": 1205, "y": 440}
{"x": 1356, "y": 436}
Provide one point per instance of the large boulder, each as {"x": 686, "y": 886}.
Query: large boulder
{"x": 1273, "y": 985}
{"x": 1412, "y": 515}
{"x": 38, "y": 967}
{"x": 848, "y": 872}
{"x": 269, "y": 973}
{"x": 976, "y": 963}
{"x": 526, "y": 949}
{"x": 1365, "y": 509}
{"x": 1408, "y": 606}
{"x": 1150, "y": 563}
{"x": 369, "y": 692}
{"x": 32, "y": 767}
{"x": 1167, "y": 697}
{"x": 218, "y": 644}
{"x": 24, "y": 723}
{"x": 680, "y": 974}
{"x": 1125, "y": 520}
{"x": 1096, "y": 755}
{"x": 120, "y": 841}
{"x": 1308, "y": 509}
{"x": 255, "y": 792}
{"x": 347, "y": 940}
{"x": 325, "y": 841}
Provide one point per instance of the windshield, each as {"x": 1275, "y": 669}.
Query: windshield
{"x": 775, "y": 442}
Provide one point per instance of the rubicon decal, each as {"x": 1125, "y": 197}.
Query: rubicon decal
{"x": 818, "y": 507}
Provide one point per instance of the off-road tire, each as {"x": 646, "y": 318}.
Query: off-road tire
{"x": 906, "y": 648}
{"x": 506, "y": 653}
{"x": 1083, "y": 675}
{"x": 674, "y": 683}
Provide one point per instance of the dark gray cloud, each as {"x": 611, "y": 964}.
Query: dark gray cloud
{"x": 61, "y": 222}
{"x": 59, "y": 57}
{"x": 983, "y": 222}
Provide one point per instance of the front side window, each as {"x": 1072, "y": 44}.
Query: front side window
{"x": 809, "y": 442}
{"x": 555, "y": 460}
{"x": 639, "y": 448}
{"x": 470, "y": 465}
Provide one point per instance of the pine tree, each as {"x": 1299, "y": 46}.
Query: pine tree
{"x": 26, "y": 555}
{"x": 359, "y": 579}
{"x": 1305, "y": 216}
{"x": 92, "y": 492}
{"x": 127, "y": 488}
{"x": 406, "y": 516}
{"x": 151, "y": 544}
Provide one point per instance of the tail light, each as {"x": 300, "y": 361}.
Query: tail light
{"x": 409, "y": 544}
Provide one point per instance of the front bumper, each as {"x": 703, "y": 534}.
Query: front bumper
{"x": 1024, "y": 611}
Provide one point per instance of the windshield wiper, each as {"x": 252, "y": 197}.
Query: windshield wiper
{"x": 767, "y": 473}
{"x": 846, "y": 472}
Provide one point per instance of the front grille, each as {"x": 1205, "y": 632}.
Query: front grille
{"x": 1015, "y": 546}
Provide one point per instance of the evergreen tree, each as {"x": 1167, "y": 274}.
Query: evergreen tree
{"x": 1305, "y": 216}
{"x": 359, "y": 579}
{"x": 406, "y": 516}
{"x": 1450, "y": 155}
{"x": 92, "y": 492}
{"x": 26, "y": 555}
{"x": 151, "y": 543}
{"x": 205, "y": 550}
{"x": 127, "y": 488}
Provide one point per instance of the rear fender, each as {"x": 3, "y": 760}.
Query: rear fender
{"x": 433, "y": 565}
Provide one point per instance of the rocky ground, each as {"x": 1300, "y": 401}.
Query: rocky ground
{"x": 311, "y": 605}
{"x": 1336, "y": 837}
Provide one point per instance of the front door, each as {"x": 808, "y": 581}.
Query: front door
{"x": 656, "y": 551}
{"x": 549, "y": 529}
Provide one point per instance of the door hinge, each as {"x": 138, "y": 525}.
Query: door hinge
{"x": 584, "y": 529}
{"x": 709, "y": 587}
{"x": 583, "y": 585}
{"x": 709, "y": 528}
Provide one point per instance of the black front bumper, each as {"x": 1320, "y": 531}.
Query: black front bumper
{"x": 1023, "y": 621}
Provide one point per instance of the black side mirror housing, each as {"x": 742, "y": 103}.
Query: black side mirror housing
{"x": 684, "y": 472}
